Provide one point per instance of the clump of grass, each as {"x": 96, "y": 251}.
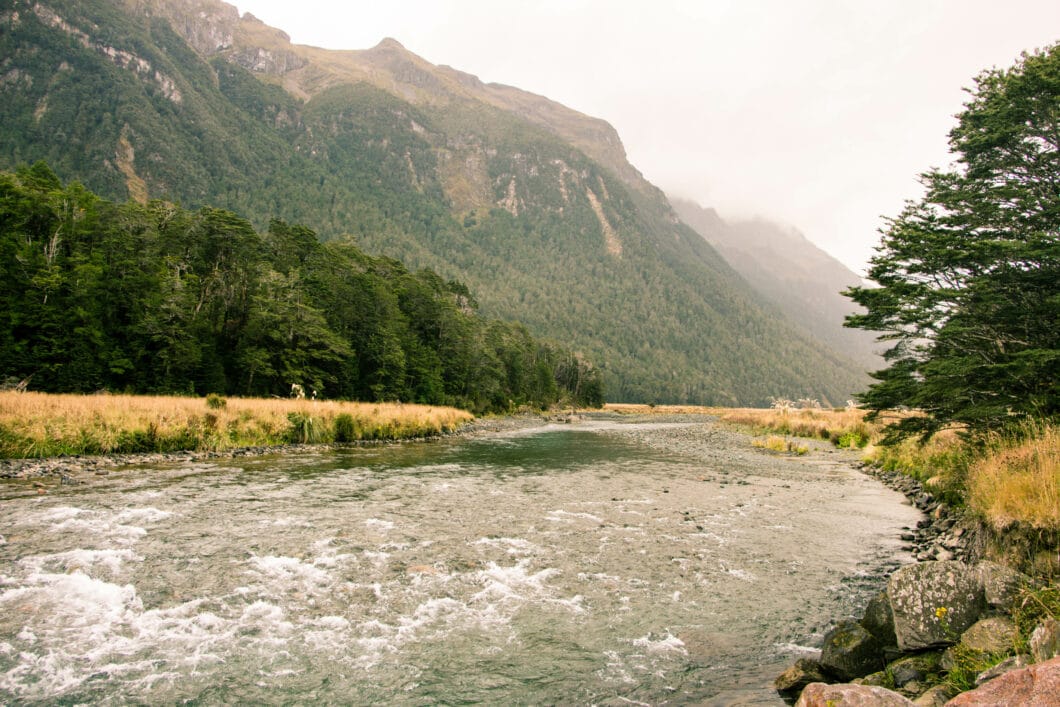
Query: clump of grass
{"x": 968, "y": 663}
{"x": 216, "y": 402}
{"x": 779, "y": 444}
{"x": 344, "y": 429}
{"x": 1018, "y": 481}
{"x": 43, "y": 425}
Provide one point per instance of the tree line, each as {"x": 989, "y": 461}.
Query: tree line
{"x": 159, "y": 299}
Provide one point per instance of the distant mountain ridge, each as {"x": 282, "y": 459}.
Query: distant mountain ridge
{"x": 802, "y": 280}
{"x": 532, "y": 204}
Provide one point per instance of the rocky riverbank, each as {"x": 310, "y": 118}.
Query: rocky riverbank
{"x": 950, "y": 613}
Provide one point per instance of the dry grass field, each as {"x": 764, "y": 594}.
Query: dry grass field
{"x": 43, "y": 425}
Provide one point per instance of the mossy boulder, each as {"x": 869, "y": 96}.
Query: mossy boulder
{"x": 993, "y": 635}
{"x": 914, "y": 668}
{"x": 879, "y": 620}
{"x": 849, "y": 652}
{"x": 794, "y": 680}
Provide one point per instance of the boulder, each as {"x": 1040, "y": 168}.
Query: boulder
{"x": 1001, "y": 584}
{"x": 1009, "y": 664}
{"x": 820, "y": 695}
{"x": 935, "y": 696}
{"x": 913, "y": 668}
{"x": 1034, "y": 686}
{"x": 879, "y": 621}
{"x": 849, "y": 652}
{"x": 994, "y": 635}
{"x": 934, "y": 603}
{"x": 1045, "y": 641}
{"x": 795, "y": 679}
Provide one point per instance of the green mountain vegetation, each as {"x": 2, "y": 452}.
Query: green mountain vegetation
{"x": 531, "y": 204}
{"x": 158, "y": 299}
{"x": 792, "y": 273}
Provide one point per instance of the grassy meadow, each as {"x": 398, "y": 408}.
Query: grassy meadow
{"x": 46, "y": 425}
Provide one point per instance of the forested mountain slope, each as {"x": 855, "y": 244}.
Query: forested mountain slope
{"x": 96, "y": 295}
{"x": 531, "y": 204}
{"x": 792, "y": 273}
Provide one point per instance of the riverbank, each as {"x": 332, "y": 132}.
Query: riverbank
{"x": 40, "y": 426}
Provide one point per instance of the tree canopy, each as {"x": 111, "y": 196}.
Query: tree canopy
{"x": 158, "y": 299}
{"x": 969, "y": 276}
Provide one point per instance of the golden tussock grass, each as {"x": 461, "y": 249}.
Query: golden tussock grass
{"x": 1019, "y": 482}
{"x": 40, "y": 424}
{"x": 846, "y": 428}
{"x": 642, "y": 409}
{"x": 779, "y": 444}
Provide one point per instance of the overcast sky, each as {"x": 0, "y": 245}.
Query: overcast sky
{"x": 815, "y": 113}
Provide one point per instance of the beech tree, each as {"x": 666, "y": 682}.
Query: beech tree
{"x": 969, "y": 276}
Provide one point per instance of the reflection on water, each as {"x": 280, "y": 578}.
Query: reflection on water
{"x": 604, "y": 563}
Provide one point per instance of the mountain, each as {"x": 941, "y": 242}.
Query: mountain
{"x": 792, "y": 273}
{"x": 532, "y": 205}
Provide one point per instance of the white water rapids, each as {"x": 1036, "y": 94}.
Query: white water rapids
{"x": 603, "y": 563}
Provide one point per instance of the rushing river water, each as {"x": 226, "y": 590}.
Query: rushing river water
{"x": 600, "y": 563}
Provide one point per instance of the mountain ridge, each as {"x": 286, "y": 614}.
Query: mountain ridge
{"x": 483, "y": 183}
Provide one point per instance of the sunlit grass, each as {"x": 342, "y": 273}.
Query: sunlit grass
{"x": 1019, "y": 481}
{"x": 846, "y": 428}
{"x": 43, "y": 425}
{"x": 642, "y": 409}
{"x": 779, "y": 444}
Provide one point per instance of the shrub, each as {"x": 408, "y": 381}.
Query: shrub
{"x": 304, "y": 429}
{"x": 345, "y": 429}
{"x": 216, "y": 402}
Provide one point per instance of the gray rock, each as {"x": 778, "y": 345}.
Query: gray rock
{"x": 1045, "y": 641}
{"x": 935, "y": 696}
{"x": 821, "y": 695}
{"x": 934, "y": 603}
{"x": 795, "y": 679}
{"x": 1001, "y": 584}
{"x": 994, "y": 635}
{"x": 1007, "y": 665}
{"x": 879, "y": 621}
{"x": 849, "y": 652}
{"x": 914, "y": 668}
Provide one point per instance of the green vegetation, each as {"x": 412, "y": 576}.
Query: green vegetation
{"x": 156, "y": 299}
{"x": 663, "y": 318}
{"x": 969, "y": 277}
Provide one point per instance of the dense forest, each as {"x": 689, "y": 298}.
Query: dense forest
{"x": 155, "y": 298}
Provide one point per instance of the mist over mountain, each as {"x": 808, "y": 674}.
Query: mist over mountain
{"x": 533, "y": 205}
{"x": 783, "y": 265}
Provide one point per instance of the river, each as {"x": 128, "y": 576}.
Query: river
{"x": 606, "y": 562}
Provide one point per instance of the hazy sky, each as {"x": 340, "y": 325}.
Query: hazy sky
{"x": 816, "y": 113}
